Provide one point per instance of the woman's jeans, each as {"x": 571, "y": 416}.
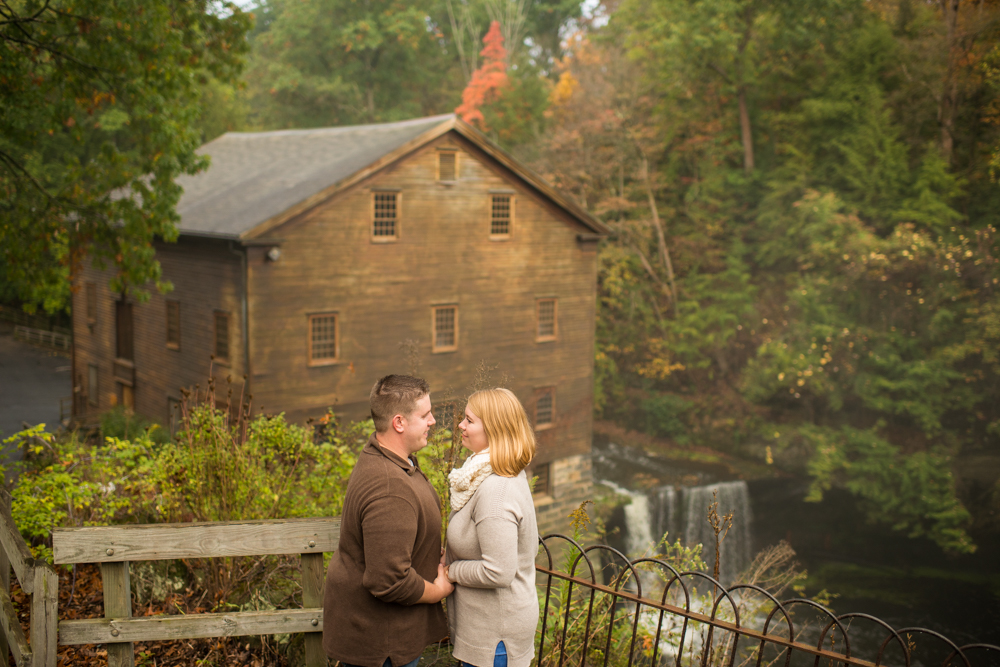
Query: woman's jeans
{"x": 499, "y": 658}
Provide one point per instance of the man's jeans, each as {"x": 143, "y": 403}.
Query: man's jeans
{"x": 499, "y": 658}
{"x": 388, "y": 663}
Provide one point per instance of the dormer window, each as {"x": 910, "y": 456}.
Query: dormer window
{"x": 447, "y": 165}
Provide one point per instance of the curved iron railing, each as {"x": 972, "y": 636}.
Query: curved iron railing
{"x": 610, "y": 611}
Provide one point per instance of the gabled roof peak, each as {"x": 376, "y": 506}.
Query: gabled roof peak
{"x": 258, "y": 180}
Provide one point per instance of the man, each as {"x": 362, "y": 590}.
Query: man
{"x": 385, "y": 583}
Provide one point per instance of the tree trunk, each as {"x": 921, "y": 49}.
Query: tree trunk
{"x": 949, "y": 88}
{"x": 746, "y": 132}
{"x": 661, "y": 240}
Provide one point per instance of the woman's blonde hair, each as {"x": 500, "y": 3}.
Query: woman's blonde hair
{"x": 508, "y": 431}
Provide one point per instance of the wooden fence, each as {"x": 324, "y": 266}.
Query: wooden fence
{"x": 39, "y": 580}
{"x": 53, "y": 339}
{"x": 114, "y": 547}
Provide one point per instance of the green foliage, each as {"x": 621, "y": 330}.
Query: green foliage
{"x": 124, "y": 424}
{"x": 217, "y": 470}
{"x": 666, "y": 416}
{"x": 845, "y": 281}
{"x": 912, "y": 492}
{"x": 517, "y": 116}
{"x": 64, "y": 483}
{"x": 96, "y": 116}
{"x": 318, "y": 64}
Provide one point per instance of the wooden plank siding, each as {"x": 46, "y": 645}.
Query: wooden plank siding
{"x": 383, "y": 294}
{"x": 207, "y": 277}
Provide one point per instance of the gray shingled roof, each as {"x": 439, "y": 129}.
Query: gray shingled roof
{"x": 254, "y": 176}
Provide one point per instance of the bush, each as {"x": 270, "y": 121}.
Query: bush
{"x": 665, "y": 415}
{"x": 121, "y": 422}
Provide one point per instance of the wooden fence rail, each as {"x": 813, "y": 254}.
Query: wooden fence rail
{"x": 39, "y": 580}
{"x": 52, "y": 339}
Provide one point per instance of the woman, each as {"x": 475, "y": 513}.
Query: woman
{"x": 492, "y": 536}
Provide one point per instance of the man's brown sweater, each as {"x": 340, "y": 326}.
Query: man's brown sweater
{"x": 390, "y": 543}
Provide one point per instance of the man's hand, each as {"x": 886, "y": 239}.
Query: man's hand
{"x": 437, "y": 590}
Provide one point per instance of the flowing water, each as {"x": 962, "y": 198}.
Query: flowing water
{"x": 872, "y": 569}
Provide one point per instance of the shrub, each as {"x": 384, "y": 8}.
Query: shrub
{"x": 665, "y": 415}
{"x": 123, "y": 423}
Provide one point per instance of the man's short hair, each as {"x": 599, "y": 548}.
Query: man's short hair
{"x": 395, "y": 395}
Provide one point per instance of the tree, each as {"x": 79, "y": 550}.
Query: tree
{"x": 836, "y": 310}
{"x": 96, "y": 109}
{"x": 322, "y": 63}
{"x": 486, "y": 81}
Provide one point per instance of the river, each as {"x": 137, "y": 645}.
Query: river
{"x": 871, "y": 569}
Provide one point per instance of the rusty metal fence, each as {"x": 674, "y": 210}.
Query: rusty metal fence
{"x": 601, "y": 609}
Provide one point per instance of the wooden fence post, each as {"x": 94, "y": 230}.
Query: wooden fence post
{"x": 4, "y": 579}
{"x": 44, "y": 615}
{"x": 118, "y": 604}
{"x": 312, "y": 598}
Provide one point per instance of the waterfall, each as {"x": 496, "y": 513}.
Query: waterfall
{"x": 639, "y": 527}
{"x": 683, "y": 513}
{"x": 637, "y": 520}
{"x": 736, "y": 547}
{"x": 665, "y": 511}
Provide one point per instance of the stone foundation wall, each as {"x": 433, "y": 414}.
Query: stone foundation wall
{"x": 571, "y": 483}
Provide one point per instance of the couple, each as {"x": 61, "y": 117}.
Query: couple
{"x": 385, "y": 583}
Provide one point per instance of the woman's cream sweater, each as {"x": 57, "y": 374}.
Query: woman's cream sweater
{"x": 492, "y": 542}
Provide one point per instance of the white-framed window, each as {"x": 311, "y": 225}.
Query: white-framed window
{"x": 444, "y": 328}
{"x": 324, "y": 339}
{"x": 501, "y": 215}
{"x": 546, "y": 319}
{"x": 385, "y": 216}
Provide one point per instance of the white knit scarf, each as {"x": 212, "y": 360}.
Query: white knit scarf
{"x": 465, "y": 480}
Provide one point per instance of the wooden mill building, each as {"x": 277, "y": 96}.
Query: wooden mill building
{"x": 315, "y": 261}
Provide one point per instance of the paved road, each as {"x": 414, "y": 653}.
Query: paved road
{"x": 31, "y": 382}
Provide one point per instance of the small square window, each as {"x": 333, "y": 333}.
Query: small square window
{"x": 386, "y": 215}
{"x": 91, "y": 297}
{"x": 222, "y": 337}
{"x": 174, "y": 324}
{"x": 323, "y": 339}
{"x": 445, "y": 328}
{"x": 542, "y": 473}
{"x": 92, "y": 389}
{"x": 500, "y": 215}
{"x": 447, "y": 165}
{"x": 546, "y": 320}
{"x": 545, "y": 408}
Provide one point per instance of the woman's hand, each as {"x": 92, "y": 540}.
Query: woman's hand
{"x": 437, "y": 590}
{"x": 443, "y": 582}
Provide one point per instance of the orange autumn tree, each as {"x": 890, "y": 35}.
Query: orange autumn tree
{"x": 487, "y": 80}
